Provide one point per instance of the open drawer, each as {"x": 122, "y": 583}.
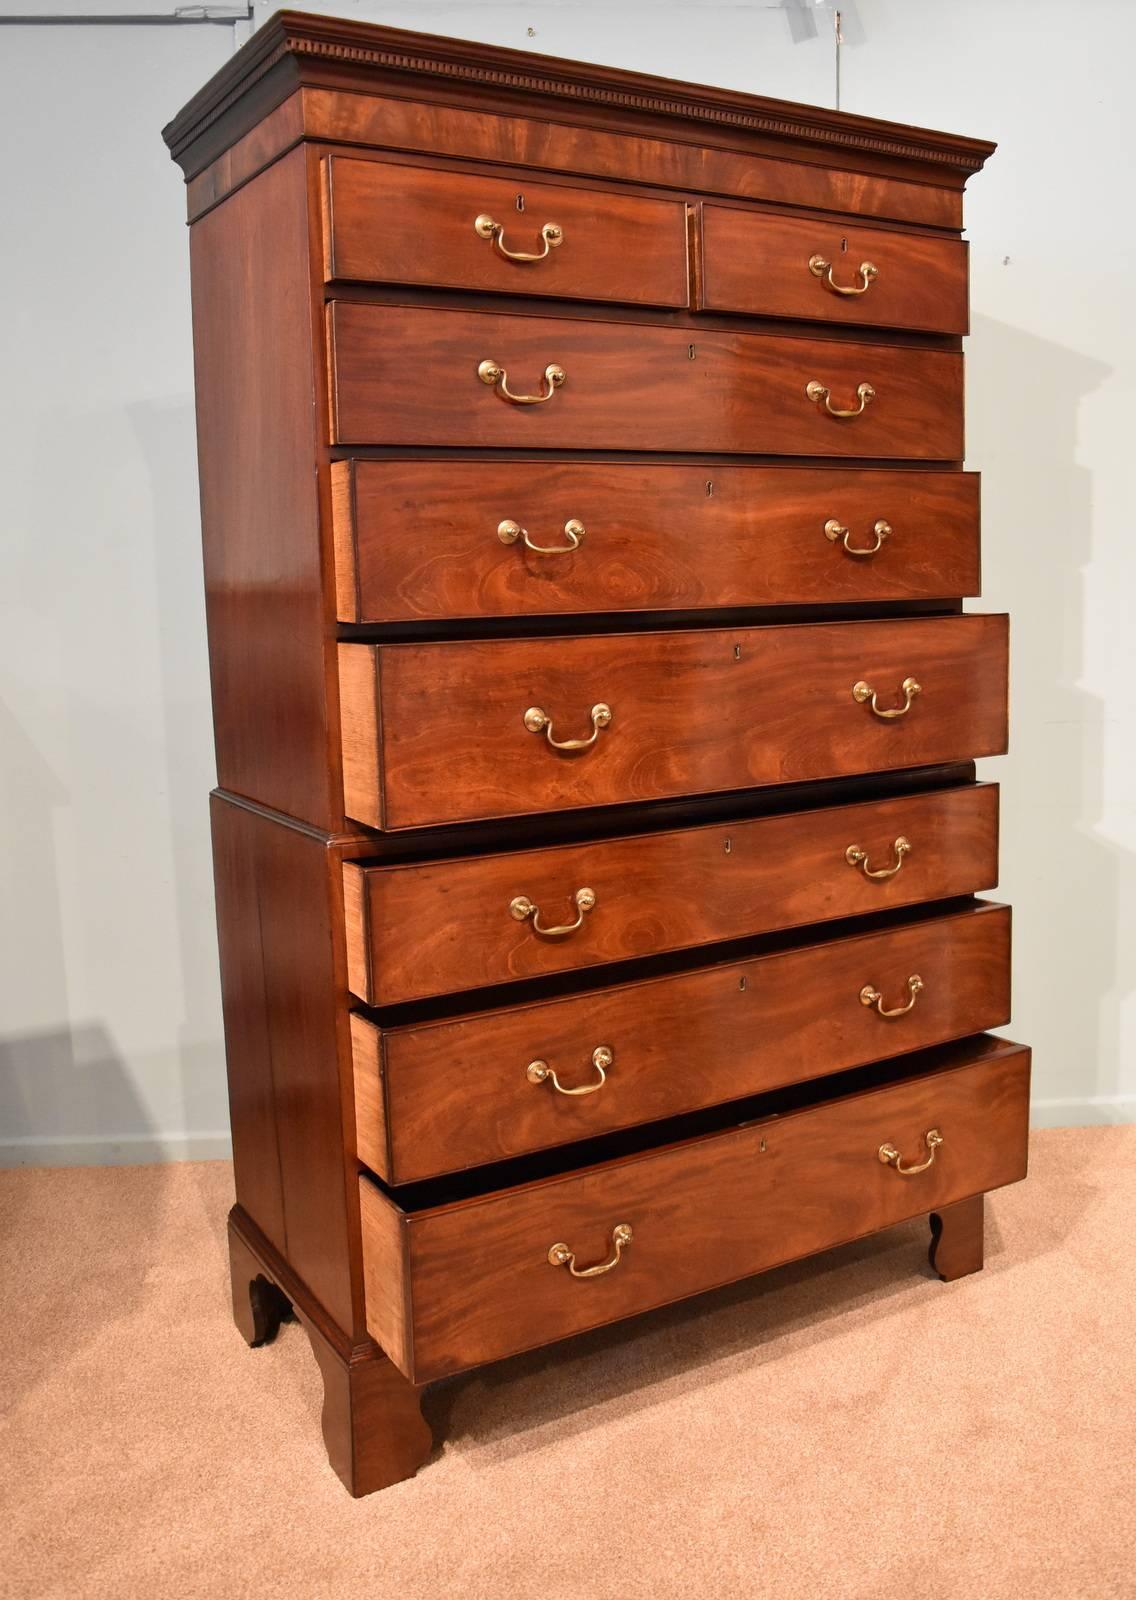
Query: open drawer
{"x": 460, "y": 1275}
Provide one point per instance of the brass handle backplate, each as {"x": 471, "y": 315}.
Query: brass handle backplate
{"x": 492, "y": 373}
{"x": 819, "y": 395}
{"x": 858, "y": 857}
{"x": 552, "y": 234}
{"x": 525, "y": 910}
{"x": 560, "y": 1255}
{"x": 538, "y": 721}
{"x": 820, "y": 268}
{"x": 835, "y": 530}
{"x": 870, "y": 996}
{"x": 864, "y": 694}
{"x": 509, "y": 532}
{"x": 541, "y": 1072}
{"x": 890, "y": 1156}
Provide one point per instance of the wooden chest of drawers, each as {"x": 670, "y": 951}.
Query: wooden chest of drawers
{"x": 597, "y": 835}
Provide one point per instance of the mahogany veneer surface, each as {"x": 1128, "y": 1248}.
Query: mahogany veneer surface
{"x": 416, "y": 545}
{"x": 436, "y": 732}
{"x": 431, "y": 928}
{"x": 408, "y": 375}
{"x": 542, "y": 404}
{"x": 478, "y": 1284}
{"x": 677, "y": 1043}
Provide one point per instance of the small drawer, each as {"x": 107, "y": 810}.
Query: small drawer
{"x": 505, "y": 539}
{"x": 440, "y": 927}
{"x": 436, "y": 733}
{"x": 395, "y": 224}
{"x": 773, "y": 266}
{"x": 456, "y": 1281}
{"x": 412, "y": 375}
{"x": 433, "y": 1097}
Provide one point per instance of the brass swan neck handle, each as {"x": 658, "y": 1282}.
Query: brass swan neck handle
{"x": 552, "y": 235}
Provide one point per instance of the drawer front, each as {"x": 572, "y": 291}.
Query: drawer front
{"x": 519, "y": 539}
{"x": 403, "y": 375}
{"x": 477, "y": 1273}
{"x": 395, "y": 224}
{"x": 465, "y": 728}
{"x": 781, "y": 267}
{"x": 441, "y": 927}
{"x": 464, "y": 1092}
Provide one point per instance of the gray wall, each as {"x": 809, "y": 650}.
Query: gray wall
{"x": 110, "y": 1036}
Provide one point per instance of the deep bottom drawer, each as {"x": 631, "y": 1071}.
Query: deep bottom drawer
{"x": 455, "y": 1282}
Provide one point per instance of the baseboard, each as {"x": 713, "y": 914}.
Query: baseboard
{"x": 125, "y": 1150}
{"x": 1100, "y": 1111}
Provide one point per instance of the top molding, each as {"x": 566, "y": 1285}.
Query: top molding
{"x": 295, "y": 49}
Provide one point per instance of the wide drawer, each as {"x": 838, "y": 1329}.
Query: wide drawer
{"x": 387, "y": 223}
{"x": 432, "y": 1097}
{"x": 439, "y": 927}
{"x": 409, "y": 375}
{"x": 516, "y": 538}
{"x": 872, "y": 277}
{"x": 437, "y": 733}
{"x": 469, "y": 1280}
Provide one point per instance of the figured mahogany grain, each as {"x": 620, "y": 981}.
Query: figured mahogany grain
{"x": 759, "y": 262}
{"x": 406, "y": 375}
{"x": 703, "y": 1212}
{"x": 692, "y": 711}
{"x": 552, "y": 144}
{"x": 401, "y": 224}
{"x": 276, "y": 889}
{"x": 271, "y": 663}
{"x": 441, "y": 927}
{"x": 417, "y": 544}
{"x": 456, "y": 1094}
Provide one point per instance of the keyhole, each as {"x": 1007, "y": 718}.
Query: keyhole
{"x": 520, "y": 202}
{"x": 728, "y": 846}
{"x": 709, "y": 487}
{"x": 844, "y": 244}
{"x": 737, "y": 652}
{"x": 690, "y": 352}
{"x": 741, "y": 984}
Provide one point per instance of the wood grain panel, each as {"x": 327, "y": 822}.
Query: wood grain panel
{"x": 386, "y": 1278}
{"x": 700, "y": 164}
{"x": 706, "y": 1211}
{"x": 425, "y": 546}
{"x": 440, "y": 927}
{"x": 697, "y": 711}
{"x": 758, "y": 262}
{"x": 271, "y": 661}
{"x": 276, "y": 886}
{"x": 409, "y": 375}
{"x": 401, "y": 224}
{"x": 457, "y": 1094}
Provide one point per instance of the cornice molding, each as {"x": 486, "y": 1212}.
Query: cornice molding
{"x": 308, "y": 41}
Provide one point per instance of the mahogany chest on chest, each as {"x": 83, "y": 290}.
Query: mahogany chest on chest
{"x": 597, "y": 834}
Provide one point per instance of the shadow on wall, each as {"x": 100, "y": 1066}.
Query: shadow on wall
{"x": 166, "y": 435}
{"x": 57, "y": 1082}
{"x": 1066, "y": 880}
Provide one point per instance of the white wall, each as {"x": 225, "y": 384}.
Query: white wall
{"x": 110, "y": 1037}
